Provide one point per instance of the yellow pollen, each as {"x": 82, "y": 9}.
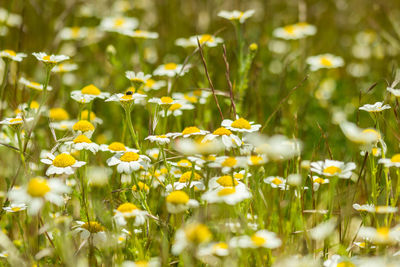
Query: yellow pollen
{"x": 75, "y": 31}
{"x": 82, "y": 139}
{"x": 332, "y": 170}
{"x": 184, "y": 163}
{"x": 58, "y": 114}
{"x": 226, "y": 191}
{"x": 142, "y": 186}
{"x": 326, "y": 62}
{"x": 117, "y": 146}
{"x": 319, "y": 180}
{"x": 129, "y": 156}
{"x": 38, "y": 187}
{"x": 238, "y": 176}
{"x": 34, "y": 105}
{"x": 229, "y": 162}
{"x": 241, "y": 124}
{"x": 256, "y": 160}
{"x": 177, "y": 197}
{"x": 83, "y": 126}
{"x": 127, "y": 207}
{"x": 85, "y": 114}
{"x": 395, "y": 158}
{"x": 190, "y": 130}
{"x": 93, "y": 227}
{"x": 90, "y": 90}
{"x": 227, "y": 181}
{"x": 142, "y": 263}
{"x": 383, "y": 231}
{"x": 258, "y": 240}
{"x": 198, "y": 233}
{"x": 64, "y": 160}
{"x": 47, "y": 58}
{"x": 170, "y": 66}
{"x": 277, "y": 181}
{"x": 345, "y": 264}
{"x": 185, "y": 177}
{"x": 150, "y": 83}
{"x": 206, "y": 38}
{"x": 222, "y": 131}
{"x": 166, "y": 100}
{"x": 191, "y": 99}
{"x": 289, "y": 29}
{"x": 15, "y": 209}
{"x": 119, "y": 22}
{"x": 16, "y": 121}
{"x": 175, "y": 106}
{"x": 10, "y": 52}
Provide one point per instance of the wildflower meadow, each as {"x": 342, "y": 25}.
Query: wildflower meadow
{"x": 200, "y": 133}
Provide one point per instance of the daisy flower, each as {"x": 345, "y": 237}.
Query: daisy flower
{"x": 196, "y": 146}
{"x": 183, "y": 163}
{"x": 394, "y": 161}
{"x": 128, "y": 162}
{"x": 178, "y": 201}
{"x": 91, "y": 229}
{"x": 83, "y": 127}
{"x": 164, "y": 101}
{"x": 240, "y": 125}
{"x": 204, "y": 39}
{"x": 323, "y": 230}
{"x": 88, "y": 93}
{"x": 194, "y": 97}
{"x": 261, "y": 239}
{"x": 63, "y": 163}
{"x": 154, "y": 262}
{"x": 192, "y": 235}
{"x": 187, "y": 179}
{"x": 236, "y": 15}
{"x": 333, "y": 168}
{"x": 318, "y": 181}
{"x": 158, "y": 139}
{"x": 171, "y": 70}
{"x": 118, "y": 24}
{"x": 228, "y": 195}
{"x": 377, "y": 107}
{"x": 223, "y": 181}
{"x": 64, "y": 67}
{"x": 227, "y": 137}
{"x": 141, "y": 34}
{"x": 33, "y": 85}
{"x": 128, "y": 211}
{"x": 128, "y": 97}
{"x": 381, "y": 235}
{"x": 176, "y": 109}
{"x": 241, "y": 175}
{"x": 255, "y": 160}
{"x": 82, "y": 142}
{"x": 153, "y": 153}
{"x": 37, "y": 192}
{"x": 73, "y": 33}
{"x": 138, "y": 77}
{"x": 276, "y": 182}
{"x": 295, "y": 31}
{"x": 12, "y": 55}
{"x": 360, "y": 136}
{"x": 228, "y": 163}
{"x": 364, "y": 207}
{"x": 50, "y": 59}
{"x": 15, "y": 207}
{"x": 15, "y": 122}
{"x": 189, "y": 131}
{"x": 153, "y": 85}
{"x": 337, "y": 260}
{"x": 325, "y": 61}
{"x": 93, "y": 118}
{"x": 62, "y": 125}
{"x": 58, "y": 114}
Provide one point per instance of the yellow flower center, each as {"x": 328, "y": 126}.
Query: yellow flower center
{"x": 185, "y": 177}
{"x": 82, "y": 139}
{"x": 175, "y": 106}
{"x": 178, "y": 197}
{"x": 64, "y": 160}
{"x": 395, "y": 158}
{"x": 191, "y": 99}
{"x": 184, "y": 163}
{"x": 226, "y": 191}
{"x": 198, "y": 233}
{"x": 10, "y": 52}
{"x": 345, "y": 264}
{"x": 255, "y": 160}
{"x": 83, "y": 126}
{"x": 222, "y": 131}
{"x": 332, "y": 170}
{"x": 241, "y": 124}
{"x": 257, "y": 240}
{"x": 129, "y": 156}
{"x": 127, "y": 207}
{"x": 170, "y": 66}
{"x": 209, "y": 158}
{"x": 150, "y": 83}
{"x": 34, "y": 105}
{"x": 375, "y": 151}
{"x": 227, "y": 181}
{"x": 383, "y": 232}
{"x": 58, "y": 114}
{"x": 326, "y": 62}
{"x": 93, "y": 227}
{"x": 75, "y": 31}
{"x": 15, "y": 209}
{"x": 190, "y": 130}
{"x": 319, "y": 180}
{"x": 289, "y": 29}
{"x": 142, "y": 263}
{"x": 238, "y": 176}
{"x": 117, "y": 146}
{"x": 161, "y": 136}
{"x": 206, "y": 38}
{"x": 166, "y": 100}
{"x": 277, "y": 181}
{"x": 47, "y": 58}
{"x": 142, "y": 186}
{"x": 85, "y": 115}
{"x": 229, "y": 162}
{"x": 90, "y": 90}
{"x": 220, "y": 245}
{"x": 38, "y": 187}
{"x": 16, "y": 121}
{"x": 119, "y": 22}
{"x": 373, "y": 131}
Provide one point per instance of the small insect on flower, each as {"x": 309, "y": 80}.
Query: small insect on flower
{"x": 240, "y": 125}
{"x": 394, "y": 161}
{"x": 37, "y": 192}
{"x": 171, "y": 70}
{"x": 158, "y": 139}
{"x": 63, "y": 163}
{"x": 191, "y": 236}
{"x": 276, "y": 182}
{"x": 295, "y": 31}
{"x": 50, "y": 59}
{"x": 204, "y": 39}
{"x": 377, "y": 107}
{"x": 236, "y": 15}
{"x": 127, "y": 98}
{"x": 127, "y": 212}
{"x": 15, "y": 207}
{"x": 118, "y": 24}
{"x": 260, "y": 239}
{"x": 88, "y": 93}
{"x": 91, "y": 229}
{"x": 128, "y": 162}
{"x": 82, "y": 142}
{"x": 333, "y": 168}
{"x": 325, "y": 61}
{"x": 12, "y": 55}
{"x": 381, "y": 235}
{"x": 178, "y": 201}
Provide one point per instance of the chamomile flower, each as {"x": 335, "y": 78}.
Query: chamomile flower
{"x": 223, "y": 181}
{"x": 91, "y": 229}
{"x": 236, "y": 15}
{"x": 394, "y": 91}
{"x": 381, "y": 235}
{"x": 338, "y": 261}
{"x": 394, "y": 161}
{"x": 154, "y": 85}
{"x": 254, "y": 160}
{"x": 33, "y": 85}
{"x": 192, "y": 235}
{"x": 228, "y": 163}
{"x": 364, "y": 207}
{"x": 240, "y": 125}
{"x": 178, "y": 201}
{"x": 227, "y": 137}
{"x": 153, "y": 153}
{"x": 12, "y": 55}
{"x": 37, "y": 192}
{"x": 190, "y": 131}
{"x": 183, "y": 163}
{"x": 333, "y": 168}
{"x": 228, "y": 195}
{"x": 220, "y": 249}
{"x": 128, "y": 162}
{"x": 15, "y": 122}
{"x": 187, "y": 179}
{"x": 241, "y": 175}
{"x": 64, "y": 67}
{"x": 141, "y": 34}
{"x": 63, "y": 163}
{"x": 128, "y": 97}
{"x": 197, "y": 96}
{"x": 295, "y": 31}
{"x": 171, "y": 70}
{"x": 276, "y": 182}
{"x": 318, "y": 181}
{"x": 128, "y": 211}
{"x": 365, "y": 137}
{"x": 204, "y": 39}
{"x": 377, "y": 107}
{"x": 176, "y": 109}
{"x": 82, "y": 142}
{"x": 15, "y": 207}
{"x": 138, "y": 77}
{"x": 154, "y": 262}
{"x": 58, "y": 114}
{"x": 92, "y": 118}
{"x": 118, "y": 24}
{"x": 50, "y": 59}
{"x": 62, "y": 125}
{"x": 158, "y": 139}
{"x": 73, "y": 33}
{"x": 28, "y": 111}
{"x": 325, "y": 61}
{"x": 88, "y": 93}
{"x": 195, "y": 146}
{"x": 164, "y": 101}
{"x": 83, "y": 127}
{"x": 260, "y": 239}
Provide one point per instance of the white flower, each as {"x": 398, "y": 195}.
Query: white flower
{"x": 88, "y": 93}
{"x": 365, "y": 207}
{"x": 159, "y": 139}
{"x": 15, "y": 121}
{"x": 82, "y": 142}
{"x": 228, "y": 163}
{"x": 261, "y": 238}
{"x": 295, "y": 31}
{"x": 127, "y": 97}
{"x": 154, "y": 262}
{"x": 240, "y": 125}
{"x": 15, "y": 207}
{"x": 327, "y": 61}
{"x": 140, "y": 34}
{"x": 91, "y": 229}
{"x": 228, "y": 195}
{"x": 220, "y": 249}
{"x": 227, "y": 137}
{"x": 10, "y": 54}
{"x": 34, "y": 85}
{"x": 73, "y": 33}
{"x": 394, "y": 161}
{"x": 191, "y": 236}
{"x": 323, "y": 230}
{"x": 381, "y": 235}
{"x": 127, "y": 211}
{"x": 337, "y": 260}
{"x": 153, "y": 153}
{"x": 318, "y": 181}
{"x": 37, "y": 191}
{"x": 128, "y": 162}
{"x": 361, "y": 136}
{"x": 204, "y": 39}
{"x": 276, "y": 182}
{"x": 137, "y": 77}
{"x": 176, "y": 109}
{"x": 194, "y": 97}
{"x": 62, "y": 125}
{"x": 171, "y": 70}
{"x": 236, "y": 15}
{"x": 154, "y": 85}
{"x": 333, "y": 168}
{"x": 64, "y": 67}
{"x": 377, "y": 107}
{"x": 188, "y": 132}
{"x": 118, "y": 24}
{"x": 51, "y": 59}
{"x": 178, "y": 201}
{"x": 63, "y": 163}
